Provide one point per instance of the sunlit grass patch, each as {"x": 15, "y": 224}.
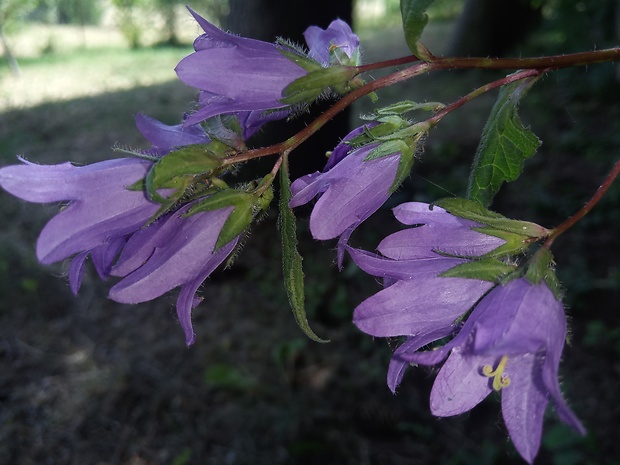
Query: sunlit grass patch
{"x": 80, "y": 63}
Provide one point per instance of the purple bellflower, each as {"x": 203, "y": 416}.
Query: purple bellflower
{"x": 171, "y": 252}
{"x": 246, "y": 76}
{"x": 106, "y": 220}
{"x": 100, "y": 214}
{"x": 323, "y": 41}
{"x": 350, "y": 190}
{"x": 165, "y": 138}
{"x": 416, "y": 301}
{"x": 511, "y": 342}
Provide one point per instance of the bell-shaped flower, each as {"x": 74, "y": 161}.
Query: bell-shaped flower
{"x": 416, "y": 301}
{"x": 240, "y": 75}
{"x": 165, "y": 138}
{"x": 324, "y": 42}
{"x": 511, "y": 342}
{"x": 100, "y": 213}
{"x": 350, "y": 189}
{"x": 175, "y": 251}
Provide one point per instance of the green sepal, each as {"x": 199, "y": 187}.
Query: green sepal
{"x": 238, "y": 220}
{"x": 486, "y": 269}
{"x": 337, "y": 56}
{"x": 308, "y": 88}
{"x": 291, "y": 259}
{"x": 504, "y": 145}
{"x": 227, "y": 130}
{"x": 541, "y": 267}
{"x": 413, "y": 131}
{"x": 405, "y": 162}
{"x": 136, "y": 186}
{"x": 265, "y": 186}
{"x": 388, "y": 125}
{"x": 406, "y": 106}
{"x": 177, "y": 169}
{"x": 414, "y": 20}
{"x": 514, "y": 243}
{"x": 297, "y": 56}
{"x": 472, "y": 210}
{"x": 221, "y": 199}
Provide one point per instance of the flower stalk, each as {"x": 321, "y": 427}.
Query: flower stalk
{"x": 583, "y": 211}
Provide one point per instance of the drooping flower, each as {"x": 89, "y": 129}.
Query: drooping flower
{"x": 511, "y": 342}
{"x": 165, "y": 138}
{"x": 323, "y": 42}
{"x": 100, "y": 214}
{"x": 416, "y": 301}
{"x": 106, "y": 220}
{"x": 350, "y": 189}
{"x": 175, "y": 251}
{"x": 240, "y": 75}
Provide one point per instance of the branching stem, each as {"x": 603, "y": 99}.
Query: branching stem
{"x": 532, "y": 66}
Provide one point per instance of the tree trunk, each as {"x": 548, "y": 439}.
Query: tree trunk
{"x": 268, "y": 19}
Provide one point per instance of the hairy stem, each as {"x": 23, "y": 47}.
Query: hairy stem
{"x": 299, "y": 138}
{"x": 583, "y": 211}
{"x": 483, "y": 89}
{"x": 532, "y": 66}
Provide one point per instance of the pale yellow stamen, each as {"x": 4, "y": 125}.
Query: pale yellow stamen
{"x": 500, "y": 380}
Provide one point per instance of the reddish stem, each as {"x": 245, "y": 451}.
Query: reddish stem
{"x": 535, "y": 65}
{"x": 598, "y": 195}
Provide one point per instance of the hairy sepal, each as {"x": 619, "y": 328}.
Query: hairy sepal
{"x": 474, "y": 211}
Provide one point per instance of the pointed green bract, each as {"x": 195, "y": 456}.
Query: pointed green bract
{"x": 407, "y": 149}
{"x": 474, "y": 211}
{"x": 246, "y": 205}
{"x": 504, "y": 146}
{"x": 541, "y": 268}
{"x": 238, "y": 220}
{"x": 308, "y": 88}
{"x": 177, "y": 169}
{"x": 291, "y": 259}
{"x": 297, "y": 56}
{"x": 406, "y": 106}
{"x": 487, "y": 269}
{"x": 414, "y": 20}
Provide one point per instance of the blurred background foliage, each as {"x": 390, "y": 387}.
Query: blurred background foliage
{"x": 87, "y": 381}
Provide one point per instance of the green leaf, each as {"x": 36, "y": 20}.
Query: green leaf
{"x": 472, "y": 210}
{"x": 291, "y": 259}
{"x": 504, "y": 146}
{"x": 487, "y": 269}
{"x": 414, "y": 20}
